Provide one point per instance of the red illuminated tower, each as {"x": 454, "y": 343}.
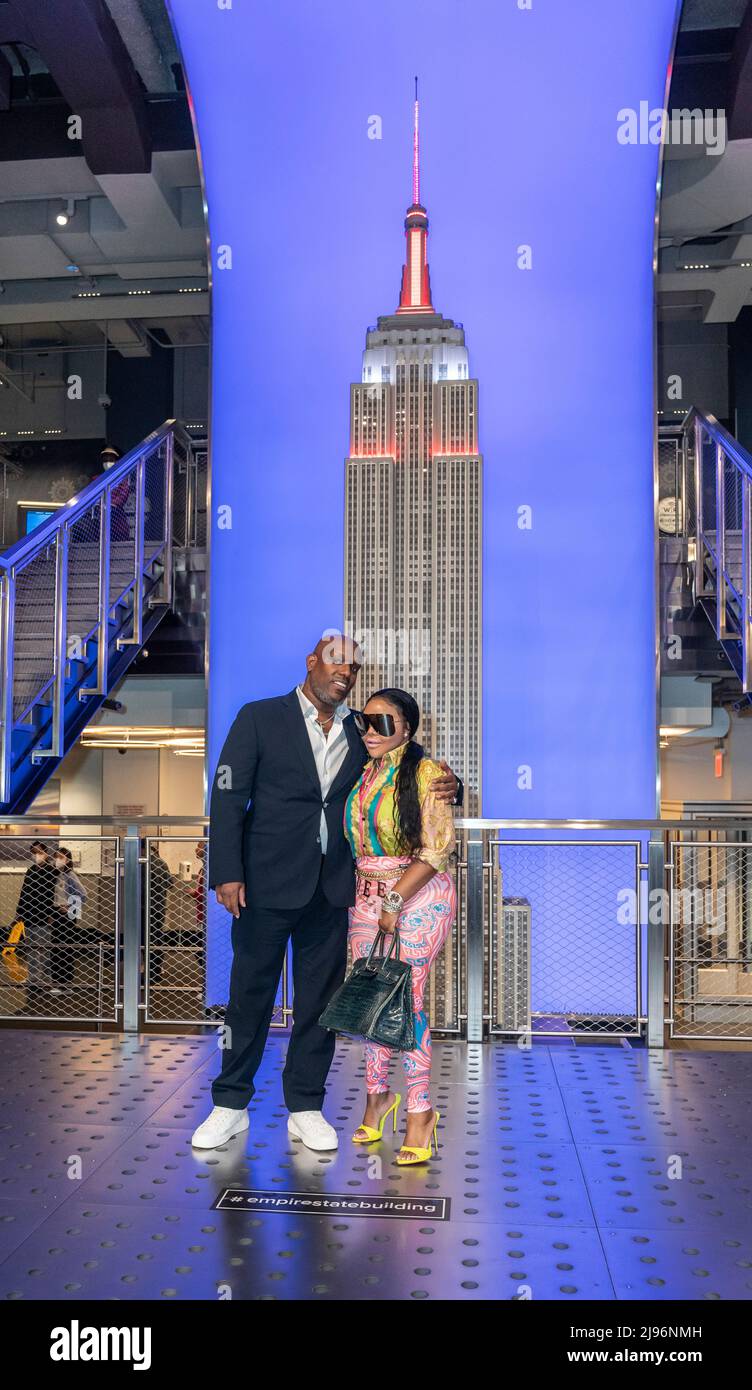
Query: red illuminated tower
{"x": 415, "y": 296}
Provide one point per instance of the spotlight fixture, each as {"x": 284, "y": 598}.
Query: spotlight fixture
{"x": 66, "y": 213}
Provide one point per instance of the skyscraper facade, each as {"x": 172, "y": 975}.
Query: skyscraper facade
{"x": 413, "y": 513}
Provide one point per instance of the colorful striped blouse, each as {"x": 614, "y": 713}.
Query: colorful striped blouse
{"x": 370, "y": 812}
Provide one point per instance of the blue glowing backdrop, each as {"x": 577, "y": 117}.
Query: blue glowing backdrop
{"x": 541, "y": 241}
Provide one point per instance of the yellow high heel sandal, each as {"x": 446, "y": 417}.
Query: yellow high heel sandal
{"x": 421, "y": 1155}
{"x": 371, "y": 1134}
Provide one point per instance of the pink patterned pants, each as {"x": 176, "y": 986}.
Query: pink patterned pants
{"x": 424, "y": 924}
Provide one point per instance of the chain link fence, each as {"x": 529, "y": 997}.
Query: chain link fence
{"x": 710, "y": 962}
{"x": 564, "y": 938}
{"x": 59, "y": 901}
{"x": 83, "y": 579}
{"x": 33, "y": 635}
{"x": 187, "y": 942}
{"x": 550, "y": 939}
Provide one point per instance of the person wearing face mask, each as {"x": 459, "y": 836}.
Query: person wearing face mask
{"x": 69, "y": 897}
{"x": 35, "y": 910}
{"x": 402, "y": 838}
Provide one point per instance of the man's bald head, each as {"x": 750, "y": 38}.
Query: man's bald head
{"x": 332, "y": 669}
{"x": 334, "y": 647}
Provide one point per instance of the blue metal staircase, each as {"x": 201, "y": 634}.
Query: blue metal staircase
{"x": 720, "y": 514}
{"x": 712, "y": 518}
{"x": 79, "y": 597}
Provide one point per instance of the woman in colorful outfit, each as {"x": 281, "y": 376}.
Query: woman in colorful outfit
{"x": 402, "y": 838}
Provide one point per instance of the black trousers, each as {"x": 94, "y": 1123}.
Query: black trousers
{"x": 62, "y": 954}
{"x": 319, "y": 952}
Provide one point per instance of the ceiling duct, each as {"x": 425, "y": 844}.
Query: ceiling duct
{"x": 90, "y": 65}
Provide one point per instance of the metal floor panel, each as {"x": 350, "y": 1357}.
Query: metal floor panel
{"x": 16, "y": 1223}
{"x": 557, "y": 1163}
{"x": 43, "y": 1163}
{"x": 693, "y": 1265}
{"x": 112, "y": 1252}
{"x": 634, "y": 1115}
{"x": 24, "y": 1050}
{"x": 638, "y": 1189}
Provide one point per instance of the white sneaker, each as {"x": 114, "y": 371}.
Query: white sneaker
{"x": 218, "y": 1127}
{"x": 310, "y": 1126}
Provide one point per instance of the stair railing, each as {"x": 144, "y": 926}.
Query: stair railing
{"x": 107, "y": 552}
{"x": 715, "y": 516}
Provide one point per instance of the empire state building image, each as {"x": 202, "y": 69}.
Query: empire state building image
{"x": 413, "y": 513}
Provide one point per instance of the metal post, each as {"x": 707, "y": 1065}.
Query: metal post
{"x": 138, "y": 586}
{"x": 103, "y": 601}
{"x": 682, "y": 525}
{"x": 167, "y": 578}
{"x": 138, "y": 591}
{"x": 131, "y": 928}
{"x": 699, "y": 571}
{"x": 100, "y": 985}
{"x": 60, "y": 657}
{"x": 746, "y": 585}
{"x": 720, "y": 543}
{"x": 474, "y": 944}
{"x": 7, "y": 610}
{"x": 188, "y": 540}
{"x": 655, "y": 939}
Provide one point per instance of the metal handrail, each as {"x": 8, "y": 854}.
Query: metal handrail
{"x": 83, "y": 501}
{"x": 734, "y": 451}
{"x": 91, "y": 555}
{"x": 461, "y": 822}
{"x": 722, "y": 543}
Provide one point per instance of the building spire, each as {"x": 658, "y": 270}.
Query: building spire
{"x": 415, "y": 295}
{"x": 416, "y": 152}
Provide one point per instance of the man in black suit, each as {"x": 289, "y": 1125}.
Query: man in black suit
{"x": 282, "y": 866}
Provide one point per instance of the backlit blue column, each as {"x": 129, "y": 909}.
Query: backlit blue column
{"x": 542, "y": 225}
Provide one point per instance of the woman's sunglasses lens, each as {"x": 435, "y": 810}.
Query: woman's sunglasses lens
{"x": 382, "y": 724}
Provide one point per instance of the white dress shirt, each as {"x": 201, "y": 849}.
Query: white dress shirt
{"x": 328, "y": 750}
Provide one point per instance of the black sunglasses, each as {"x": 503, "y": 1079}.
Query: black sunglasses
{"x": 380, "y": 723}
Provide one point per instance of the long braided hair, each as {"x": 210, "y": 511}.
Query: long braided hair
{"x": 408, "y": 825}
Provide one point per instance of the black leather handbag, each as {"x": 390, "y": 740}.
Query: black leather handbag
{"x": 376, "y": 1000}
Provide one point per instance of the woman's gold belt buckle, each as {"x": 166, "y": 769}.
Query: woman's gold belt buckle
{"x": 379, "y": 880}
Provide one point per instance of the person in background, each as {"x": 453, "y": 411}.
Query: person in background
{"x": 160, "y": 881}
{"x": 69, "y": 896}
{"x": 198, "y": 893}
{"x": 34, "y": 909}
{"x": 120, "y": 529}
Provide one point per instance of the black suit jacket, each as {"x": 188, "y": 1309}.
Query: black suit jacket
{"x": 273, "y": 844}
